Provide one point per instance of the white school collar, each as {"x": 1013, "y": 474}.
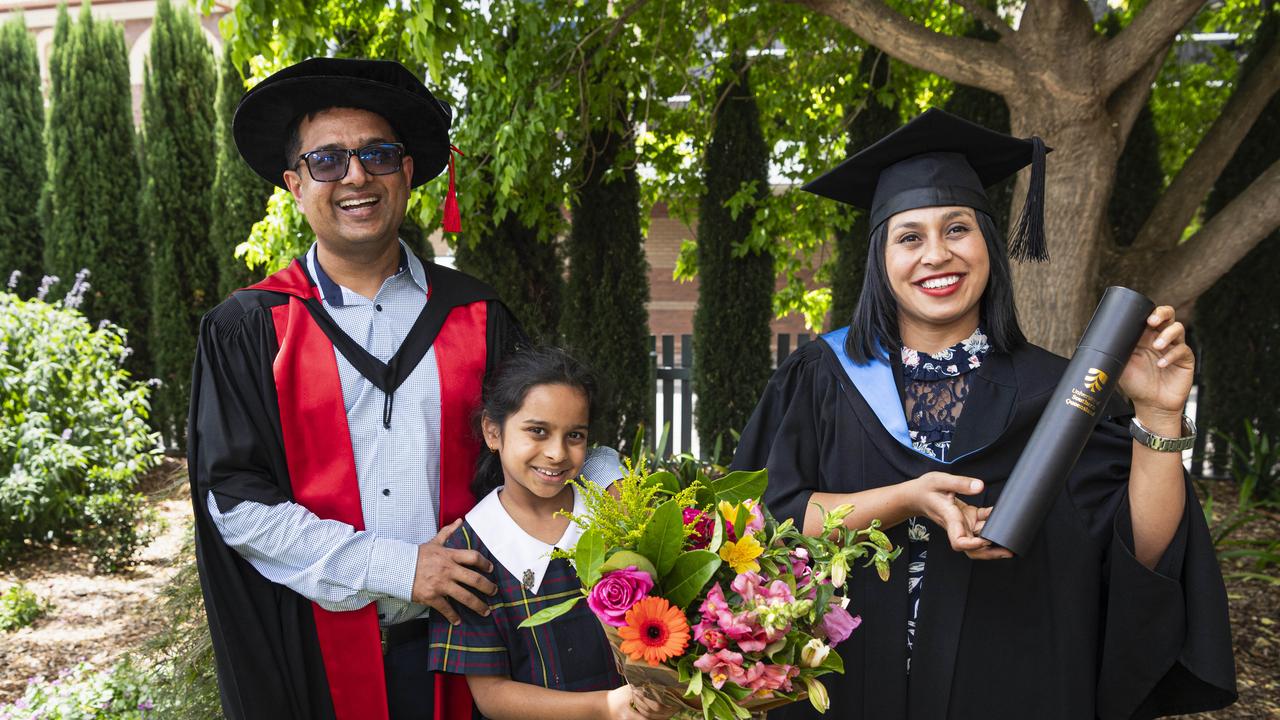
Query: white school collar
{"x": 522, "y": 554}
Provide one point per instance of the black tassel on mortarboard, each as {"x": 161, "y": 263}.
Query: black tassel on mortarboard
{"x": 1027, "y": 241}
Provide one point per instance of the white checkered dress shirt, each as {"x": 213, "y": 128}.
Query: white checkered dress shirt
{"x": 330, "y": 562}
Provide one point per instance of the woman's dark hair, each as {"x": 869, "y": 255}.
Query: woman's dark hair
{"x": 874, "y": 327}
{"x": 505, "y": 390}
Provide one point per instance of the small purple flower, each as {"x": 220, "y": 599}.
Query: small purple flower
{"x": 66, "y": 435}
{"x": 145, "y": 705}
{"x": 102, "y": 324}
{"x": 45, "y": 283}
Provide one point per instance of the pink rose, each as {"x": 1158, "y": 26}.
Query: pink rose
{"x": 721, "y": 666}
{"x": 702, "y": 528}
{"x": 838, "y": 624}
{"x": 616, "y": 592}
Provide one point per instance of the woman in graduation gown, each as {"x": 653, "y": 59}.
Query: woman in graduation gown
{"x": 917, "y": 412}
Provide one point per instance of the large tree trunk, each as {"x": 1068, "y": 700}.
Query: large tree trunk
{"x": 1055, "y": 299}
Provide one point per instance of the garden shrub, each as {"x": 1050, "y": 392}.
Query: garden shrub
{"x": 122, "y": 692}
{"x": 73, "y": 430}
{"x": 19, "y": 607}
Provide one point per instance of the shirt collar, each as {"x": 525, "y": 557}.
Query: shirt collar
{"x": 524, "y": 556}
{"x": 332, "y": 294}
{"x": 956, "y": 360}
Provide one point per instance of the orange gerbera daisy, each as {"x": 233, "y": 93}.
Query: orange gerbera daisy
{"x": 654, "y": 631}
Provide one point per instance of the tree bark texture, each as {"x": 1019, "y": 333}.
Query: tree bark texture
{"x": 1081, "y": 93}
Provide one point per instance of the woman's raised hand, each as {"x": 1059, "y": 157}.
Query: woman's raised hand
{"x": 1157, "y": 378}
{"x": 935, "y": 495}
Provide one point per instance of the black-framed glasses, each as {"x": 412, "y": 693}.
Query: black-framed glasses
{"x": 331, "y": 164}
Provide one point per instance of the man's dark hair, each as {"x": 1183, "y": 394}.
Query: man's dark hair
{"x": 873, "y": 330}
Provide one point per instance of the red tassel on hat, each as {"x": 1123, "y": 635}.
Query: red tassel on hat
{"x": 452, "y": 216}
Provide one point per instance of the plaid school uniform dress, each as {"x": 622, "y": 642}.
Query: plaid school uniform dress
{"x": 568, "y": 653}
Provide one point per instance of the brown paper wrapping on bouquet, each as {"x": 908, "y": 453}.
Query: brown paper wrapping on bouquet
{"x": 662, "y": 683}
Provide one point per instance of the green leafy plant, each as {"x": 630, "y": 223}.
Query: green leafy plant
{"x": 73, "y": 429}
{"x": 1255, "y": 467}
{"x": 19, "y": 607}
{"x": 84, "y": 692}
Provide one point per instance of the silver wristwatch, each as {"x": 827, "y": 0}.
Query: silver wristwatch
{"x": 1164, "y": 444}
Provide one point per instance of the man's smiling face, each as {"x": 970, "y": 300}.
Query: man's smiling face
{"x": 360, "y": 212}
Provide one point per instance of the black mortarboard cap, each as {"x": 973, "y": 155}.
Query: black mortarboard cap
{"x": 421, "y": 121}
{"x": 940, "y": 159}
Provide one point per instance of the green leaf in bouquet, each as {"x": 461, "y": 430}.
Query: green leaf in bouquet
{"x": 741, "y": 485}
{"x": 740, "y": 520}
{"x": 736, "y": 692}
{"x": 665, "y": 480}
{"x": 823, "y": 599}
{"x": 694, "y": 688}
{"x": 663, "y": 537}
{"x": 717, "y": 532}
{"x": 832, "y": 662}
{"x": 625, "y": 559}
{"x": 768, "y": 567}
{"x": 705, "y": 496}
{"x": 587, "y": 557}
{"x": 546, "y": 615}
{"x": 690, "y": 572}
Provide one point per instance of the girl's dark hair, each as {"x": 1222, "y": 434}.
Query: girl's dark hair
{"x": 505, "y": 390}
{"x": 873, "y": 330}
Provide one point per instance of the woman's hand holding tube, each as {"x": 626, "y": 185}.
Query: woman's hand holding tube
{"x": 936, "y": 496}
{"x": 1157, "y": 379}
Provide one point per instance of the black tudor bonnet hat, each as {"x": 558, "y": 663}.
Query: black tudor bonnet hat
{"x": 939, "y": 159}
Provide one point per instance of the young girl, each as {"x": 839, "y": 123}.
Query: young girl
{"x": 536, "y": 409}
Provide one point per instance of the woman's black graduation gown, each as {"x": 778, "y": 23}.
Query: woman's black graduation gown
{"x": 1076, "y": 628}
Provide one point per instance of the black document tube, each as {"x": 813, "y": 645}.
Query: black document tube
{"x": 1068, "y": 419}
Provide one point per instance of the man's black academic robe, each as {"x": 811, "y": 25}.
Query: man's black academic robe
{"x": 268, "y": 425}
{"x": 1075, "y": 628}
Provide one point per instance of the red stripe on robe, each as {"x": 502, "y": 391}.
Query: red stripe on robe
{"x": 322, "y": 473}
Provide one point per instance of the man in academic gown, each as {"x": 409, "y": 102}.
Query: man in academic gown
{"x": 1074, "y": 628}
{"x": 331, "y": 449}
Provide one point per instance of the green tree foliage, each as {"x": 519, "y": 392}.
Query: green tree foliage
{"x": 239, "y": 196}
{"x": 604, "y": 321}
{"x": 735, "y": 282}
{"x": 874, "y": 119}
{"x": 1238, "y": 320}
{"x": 178, "y": 166}
{"x": 527, "y": 272}
{"x": 91, "y": 197}
{"x": 21, "y": 155}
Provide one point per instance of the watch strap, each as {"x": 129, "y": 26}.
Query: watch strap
{"x": 1160, "y": 443}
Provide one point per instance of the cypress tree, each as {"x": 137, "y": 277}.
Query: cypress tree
{"x": 1238, "y": 320}
{"x": 91, "y": 200}
{"x": 872, "y": 122}
{"x": 178, "y": 167}
{"x": 527, "y": 273}
{"x": 604, "y": 320}
{"x": 239, "y": 197}
{"x": 22, "y": 155}
{"x": 735, "y": 288}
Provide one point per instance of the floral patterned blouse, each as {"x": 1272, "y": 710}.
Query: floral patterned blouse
{"x": 934, "y": 390}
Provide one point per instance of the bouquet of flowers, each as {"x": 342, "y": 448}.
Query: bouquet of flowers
{"x": 710, "y": 602}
